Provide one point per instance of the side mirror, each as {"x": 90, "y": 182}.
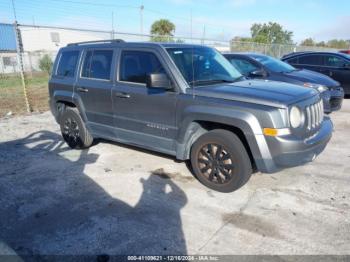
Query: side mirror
{"x": 258, "y": 73}
{"x": 158, "y": 80}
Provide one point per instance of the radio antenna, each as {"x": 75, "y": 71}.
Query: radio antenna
{"x": 192, "y": 60}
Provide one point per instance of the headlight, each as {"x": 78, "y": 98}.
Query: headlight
{"x": 296, "y": 117}
{"x": 320, "y": 88}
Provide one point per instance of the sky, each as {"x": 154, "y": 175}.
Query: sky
{"x": 218, "y": 19}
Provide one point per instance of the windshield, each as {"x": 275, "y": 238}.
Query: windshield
{"x": 274, "y": 64}
{"x": 203, "y": 65}
{"x": 346, "y": 55}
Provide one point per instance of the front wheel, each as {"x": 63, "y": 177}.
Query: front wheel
{"x": 220, "y": 161}
{"x": 73, "y": 129}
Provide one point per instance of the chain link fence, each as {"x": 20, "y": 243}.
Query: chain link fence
{"x": 275, "y": 50}
{"x": 23, "y": 74}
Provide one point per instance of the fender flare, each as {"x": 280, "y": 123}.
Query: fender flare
{"x": 246, "y": 122}
{"x": 67, "y": 96}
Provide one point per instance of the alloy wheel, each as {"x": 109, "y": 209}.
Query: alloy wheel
{"x": 215, "y": 163}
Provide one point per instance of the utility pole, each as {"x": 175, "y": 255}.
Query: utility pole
{"x": 191, "y": 25}
{"x": 141, "y": 18}
{"x": 112, "y": 34}
{"x": 203, "y": 37}
{"x": 20, "y": 57}
{"x": 14, "y": 10}
{"x": 21, "y": 67}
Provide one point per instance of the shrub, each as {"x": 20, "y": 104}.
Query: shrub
{"x": 45, "y": 64}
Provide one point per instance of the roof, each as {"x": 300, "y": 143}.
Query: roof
{"x": 315, "y": 52}
{"x": 180, "y": 45}
{"x": 243, "y": 54}
{"x": 8, "y": 37}
{"x": 297, "y": 53}
{"x": 122, "y": 43}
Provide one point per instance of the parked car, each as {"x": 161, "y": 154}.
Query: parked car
{"x": 334, "y": 65}
{"x": 345, "y": 51}
{"x": 258, "y": 66}
{"x": 187, "y": 101}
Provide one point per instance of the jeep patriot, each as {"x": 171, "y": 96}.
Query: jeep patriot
{"x": 187, "y": 101}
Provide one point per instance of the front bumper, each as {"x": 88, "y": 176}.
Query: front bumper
{"x": 288, "y": 151}
{"x": 333, "y": 99}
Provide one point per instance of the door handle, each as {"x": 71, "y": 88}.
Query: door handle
{"x": 83, "y": 89}
{"x": 122, "y": 95}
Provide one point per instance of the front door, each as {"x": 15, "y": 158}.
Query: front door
{"x": 338, "y": 69}
{"x": 143, "y": 116}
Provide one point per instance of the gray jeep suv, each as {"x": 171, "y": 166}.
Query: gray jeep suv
{"x": 187, "y": 101}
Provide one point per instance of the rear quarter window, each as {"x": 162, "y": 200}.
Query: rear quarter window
{"x": 292, "y": 61}
{"x": 67, "y": 63}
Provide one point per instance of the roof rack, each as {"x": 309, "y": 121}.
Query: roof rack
{"x": 97, "y": 42}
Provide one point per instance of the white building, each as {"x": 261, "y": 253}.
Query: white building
{"x": 51, "y": 39}
{"x": 37, "y": 42}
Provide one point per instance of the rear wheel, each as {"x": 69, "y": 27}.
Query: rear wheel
{"x": 220, "y": 161}
{"x": 73, "y": 129}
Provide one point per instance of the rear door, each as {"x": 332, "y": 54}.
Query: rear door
{"x": 144, "y": 116}
{"x": 94, "y": 87}
{"x": 64, "y": 73}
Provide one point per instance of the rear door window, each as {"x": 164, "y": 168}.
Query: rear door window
{"x": 316, "y": 60}
{"x": 67, "y": 63}
{"x": 97, "y": 64}
{"x": 135, "y": 66}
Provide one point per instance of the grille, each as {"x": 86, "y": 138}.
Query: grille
{"x": 314, "y": 114}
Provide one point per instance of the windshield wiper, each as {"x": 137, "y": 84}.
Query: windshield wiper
{"x": 211, "y": 81}
{"x": 240, "y": 78}
{"x": 290, "y": 71}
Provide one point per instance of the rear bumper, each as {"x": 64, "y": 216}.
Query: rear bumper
{"x": 287, "y": 151}
{"x": 333, "y": 99}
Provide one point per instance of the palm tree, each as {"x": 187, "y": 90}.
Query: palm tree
{"x": 162, "y": 31}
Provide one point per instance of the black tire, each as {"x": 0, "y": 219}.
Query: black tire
{"x": 220, "y": 161}
{"x": 73, "y": 129}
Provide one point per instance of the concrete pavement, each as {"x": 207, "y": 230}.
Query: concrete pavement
{"x": 115, "y": 199}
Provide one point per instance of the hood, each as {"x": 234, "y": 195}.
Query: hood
{"x": 308, "y": 76}
{"x": 270, "y": 93}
